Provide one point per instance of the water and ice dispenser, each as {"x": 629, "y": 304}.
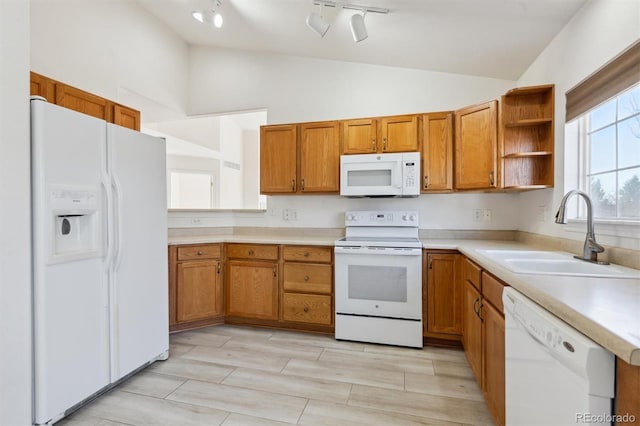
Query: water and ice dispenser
{"x": 75, "y": 223}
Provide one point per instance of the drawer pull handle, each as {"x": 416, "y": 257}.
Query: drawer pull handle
{"x": 218, "y": 268}
{"x": 293, "y": 185}
{"x": 373, "y": 144}
{"x": 492, "y": 181}
{"x": 251, "y": 252}
{"x": 306, "y": 277}
{"x": 384, "y": 144}
{"x": 199, "y": 252}
{"x": 426, "y": 182}
{"x": 303, "y": 184}
{"x": 275, "y": 271}
{"x": 306, "y": 254}
{"x": 306, "y": 309}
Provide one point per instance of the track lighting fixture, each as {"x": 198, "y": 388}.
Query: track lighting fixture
{"x": 210, "y": 16}
{"x": 317, "y": 24}
{"x": 358, "y": 29}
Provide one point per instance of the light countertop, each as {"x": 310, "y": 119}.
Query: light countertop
{"x": 607, "y": 310}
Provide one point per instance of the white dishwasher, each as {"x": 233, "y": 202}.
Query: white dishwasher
{"x": 554, "y": 374}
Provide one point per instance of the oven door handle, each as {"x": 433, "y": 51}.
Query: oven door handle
{"x": 379, "y": 251}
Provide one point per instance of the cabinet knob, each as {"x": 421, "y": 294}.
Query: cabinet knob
{"x": 306, "y": 309}
{"x": 199, "y": 252}
{"x": 306, "y": 254}
{"x": 306, "y": 277}
{"x": 251, "y": 252}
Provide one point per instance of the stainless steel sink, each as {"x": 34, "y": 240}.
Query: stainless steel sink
{"x": 555, "y": 263}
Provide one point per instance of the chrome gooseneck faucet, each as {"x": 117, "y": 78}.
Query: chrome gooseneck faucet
{"x": 591, "y": 247}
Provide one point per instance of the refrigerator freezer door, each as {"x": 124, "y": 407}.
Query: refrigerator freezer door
{"x": 139, "y": 277}
{"x": 71, "y": 329}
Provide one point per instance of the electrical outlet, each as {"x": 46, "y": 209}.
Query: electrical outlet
{"x": 477, "y": 215}
{"x": 293, "y": 214}
{"x": 286, "y": 214}
{"x": 486, "y": 215}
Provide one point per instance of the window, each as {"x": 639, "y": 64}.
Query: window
{"x": 609, "y": 138}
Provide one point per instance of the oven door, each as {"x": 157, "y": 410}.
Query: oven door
{"x": 379, "y": 281}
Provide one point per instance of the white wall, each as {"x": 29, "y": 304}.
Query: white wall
{"x": 251, "y": 167}
{"x": 113, "y": 48}
{"x": 295, "y": 89}
{"x": 599, "y": 32}
{"x": 15, "y": 216}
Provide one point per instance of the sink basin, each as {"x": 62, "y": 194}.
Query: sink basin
{"x": 555, "y": 263}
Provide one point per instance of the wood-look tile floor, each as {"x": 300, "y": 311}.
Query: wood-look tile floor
{"x": 229, "y": 375}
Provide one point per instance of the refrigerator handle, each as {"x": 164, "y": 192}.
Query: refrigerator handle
{"x": 109, "y": 222}
{"x": 117, "y": 220}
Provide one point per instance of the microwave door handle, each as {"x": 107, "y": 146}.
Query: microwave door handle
{"x": 398, "y": 176}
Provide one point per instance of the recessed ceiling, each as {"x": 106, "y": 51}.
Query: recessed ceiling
{"x": 490, "y": 38}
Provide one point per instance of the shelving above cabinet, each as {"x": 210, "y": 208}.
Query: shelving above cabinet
{"x": 527, "y": 137}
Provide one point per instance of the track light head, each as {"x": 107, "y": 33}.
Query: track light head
{"x": 358, "y": 28}
{"x": 209, "y": 16}
{"x": 317, "y": 24}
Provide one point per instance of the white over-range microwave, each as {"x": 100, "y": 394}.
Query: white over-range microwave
{"x": 380, "y": 175}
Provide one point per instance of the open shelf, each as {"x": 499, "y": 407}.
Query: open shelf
{"x": 528, "y": 154}
{"x": 529, "y": 122}
{"x": 527, "y": 138}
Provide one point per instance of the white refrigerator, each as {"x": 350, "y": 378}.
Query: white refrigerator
{"x": 99, "y": 256}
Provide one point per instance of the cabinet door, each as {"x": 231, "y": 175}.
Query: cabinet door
{"x": 84, "y": 102}
{"x": 278, "y": 159}
{"x": 476, "y": 143}
{"x": 399, "y": 133}
{"x": 472, "y": 329}
{"x": 42, "y": 86}
{"x": 320, "y": 157}
{"x": 199, "y": 290}
{"x": 360, "y": 136}
{"x": 444, "y": 293}
{"x": 252, "y": 289}
{"x": 437, "y": 152}
{"x": 126, "y": 117}
{"x": 493, "y": 374}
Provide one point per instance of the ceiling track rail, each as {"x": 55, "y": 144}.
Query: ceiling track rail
{"x": 351, "y": 6}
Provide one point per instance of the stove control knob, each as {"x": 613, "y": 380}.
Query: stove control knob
{"x": 352, "y": 218}
{"x": 412, "y": 218}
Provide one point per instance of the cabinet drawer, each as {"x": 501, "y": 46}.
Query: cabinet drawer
{"x": 472, "y": 273}
{"x": 307, "y": 254}
{"x": 492, "y": 291}
{"x": 307, "y": 278}
{"x": 252, "y": 251}
{"x": 199, "y": 252}
{"x": 309, "y": 308}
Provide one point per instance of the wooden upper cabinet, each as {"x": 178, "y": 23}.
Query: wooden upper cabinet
{"x": 87, "y": 103}
{"x": 84, "y": 102}
{"x": 278, "y": 163}
{"x": 476, "y": 145}
{"x": 399, "y": 133}
{"x": 437, "y": 152}
{"x": 320, "y": 157}
{"x": 360, "y": 136}
{"x": 43, "y": 86}
{"x": 126, "y": 117}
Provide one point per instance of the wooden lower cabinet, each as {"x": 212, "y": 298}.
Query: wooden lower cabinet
{"x": 196, "y": 286}
{"x": 252, "y": 289}
{"x": 493, "y": 374}
{"x": 307, "y": 287}
{"x": 627, "y": 402}
{"x": 483, "y": 336}
{"x": 199, "y": 290}
{"x": 472, "y": 329}
{"x": 442, "y": 305}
